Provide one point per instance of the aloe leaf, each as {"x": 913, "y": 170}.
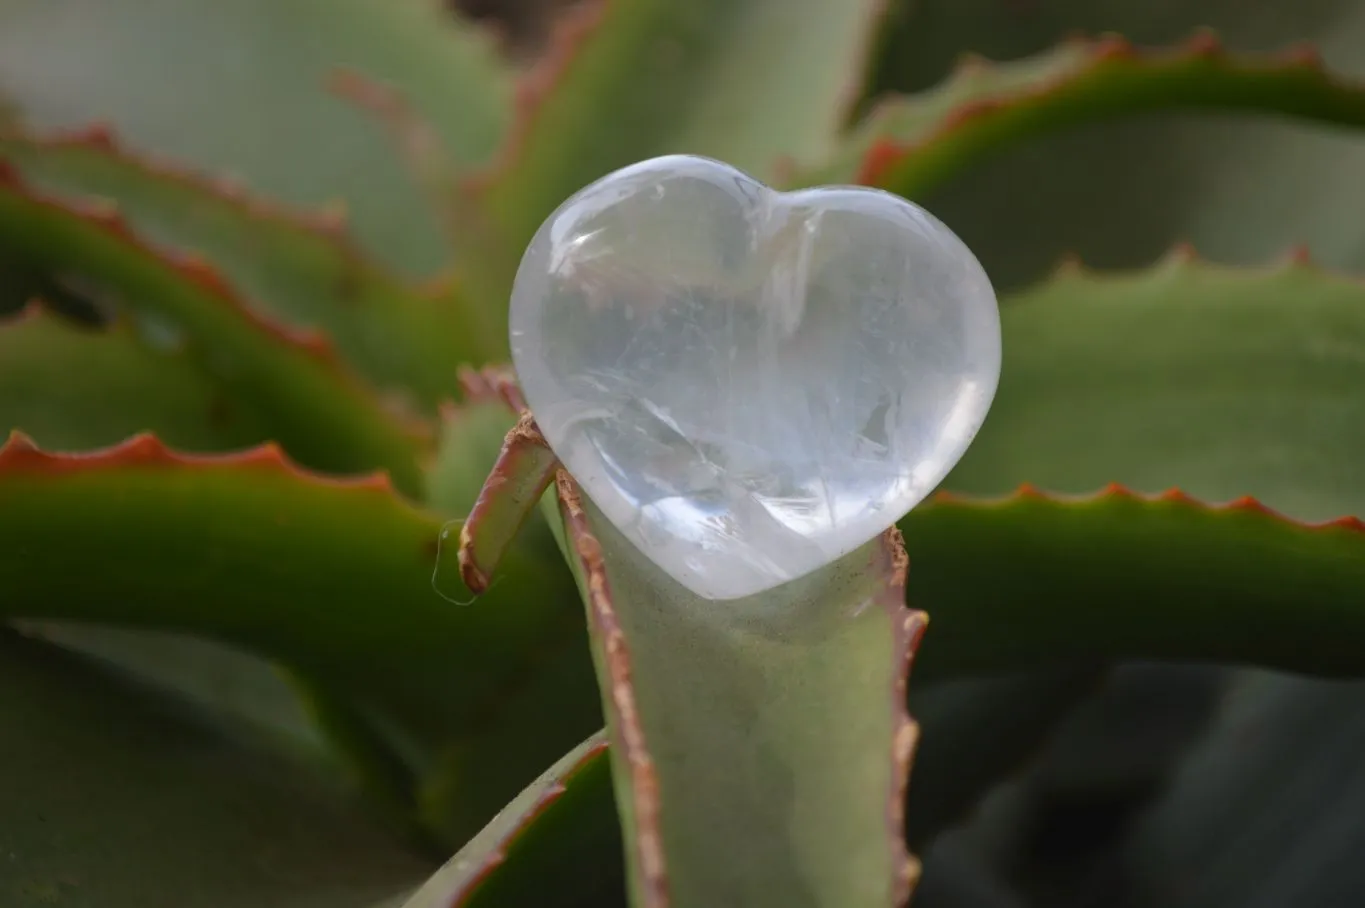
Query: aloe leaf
{"x": 1116, "y": 575}
{"x": 1167, "y": 571}
{"x": 976, "y": 732}
{"x": 221, "y": 680}
{"x": 74, "y": 387}
{"x": 787, "y": 692}
{"x": 168, "y": 74}
{"x": 499, "y": 507}
{"x": 312, "y": 405}
{"x": 521, "y": 474}
{"x": 471, "y": 438}
{"x": 568, "y": 854}
{"x": 1215, "y": 835}
{"x": 349, "y": 602}
{"x": 302, "y": 268}
{"x": 204, "y": 817}
{"x": 557, "y": 843}
{"x": 1218, "y": 381}
{"x": 1242, "y": 188}
{"x": 749, "y": 82}
{"x": 911, "y": 145}
{"x": 1225, "y": 382}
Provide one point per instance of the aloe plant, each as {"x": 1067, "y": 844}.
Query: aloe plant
{"x": 298, "y": 605}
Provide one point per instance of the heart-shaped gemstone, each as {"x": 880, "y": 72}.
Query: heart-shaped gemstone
{"x": 751, "y": 383}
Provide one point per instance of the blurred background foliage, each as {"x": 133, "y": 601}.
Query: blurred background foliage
{"x": 1139, "y": 784}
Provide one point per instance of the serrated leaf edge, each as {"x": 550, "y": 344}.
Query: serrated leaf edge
{"x": 628, "y": 737}
{"x": 193, "y": 268}
{"x": 907, "y": 629}
{"x": 1184, "y": 255}
{"x": 20, "y": 454}
{"x": 884, "y": 153}
{"x": 311, "y": 344}
{"x": 1246, "y": 504}
{"x": 329, "y": 224}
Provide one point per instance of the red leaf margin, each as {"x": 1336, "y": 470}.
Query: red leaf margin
{"x": 20, "y": 454}
{"x": 885, "y": 153}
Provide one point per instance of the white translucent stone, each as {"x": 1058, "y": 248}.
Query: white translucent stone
{"x": 751, "y": 383}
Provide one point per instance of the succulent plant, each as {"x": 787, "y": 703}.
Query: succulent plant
{"x": 298, "y": 604}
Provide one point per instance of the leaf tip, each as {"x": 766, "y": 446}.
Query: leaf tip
{"x": 1299, "y": 256}
{"x": 20, "y": 453}
{"x": 17, "y": 441}
{"x": 31, "y": 311}
{"x": 883, "y": 154}
{"x": 489, "y": 384}
{"x": 1353, "y": 524}
{"x": 1181, "y": 253}
{"x": 1176, "y": 495}
{"x": 970, "y": 64}
{"x": 1204, "y": 43}
{"x": 1304, "y": 55}
{"x": 1110, "y": 46}
{"x": 1249, "y": 504}
{"x": 1116, "y": 490}
{"x": 474, "y": 577}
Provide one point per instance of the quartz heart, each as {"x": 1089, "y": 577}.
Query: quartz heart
{"x": 751, "y": 383}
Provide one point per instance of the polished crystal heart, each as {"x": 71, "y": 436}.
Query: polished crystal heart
{"x": 750, "y": 383}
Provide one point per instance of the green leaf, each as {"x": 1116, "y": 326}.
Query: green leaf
{"x": 332, "y": 577}
{"x": 556, "y": 684}
{"x": 473, "y": 434}
{"x": 1030, "y": 580}
{"x": 975, "y": 733}
{"x": 748, "y": 82}
{"x": 303, "y": 269}
{"x": 911, "y": 145}
{"x": 116, "y": 797}
{"x": 1277, "y": 820}
{"x": 1119, "y": 193}
{"x": 221, "y": 680}
{"x": 309, "y": 402}
{"x": 567, "y": 852}
{"x": 760, "y": 729}
{"x": 171, "y": 76}
{"x": 73, "y": 387}
{"x": 558, "y": 844}
{"x": 1221, "y": 381}
{"x": 521, "y": 474}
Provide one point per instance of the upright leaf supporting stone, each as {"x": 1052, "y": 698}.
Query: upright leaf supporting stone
{"x": 313, "y": 405}
{"x": 912, "y": 144}
{"x": 761, "y": 745}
